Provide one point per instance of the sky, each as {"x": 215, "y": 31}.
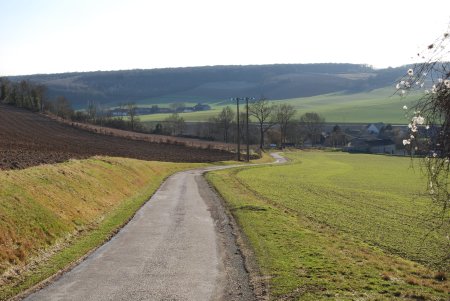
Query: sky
{"x": 55, "y": 36}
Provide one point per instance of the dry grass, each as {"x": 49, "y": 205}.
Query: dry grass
{"x": 48, "y": 208}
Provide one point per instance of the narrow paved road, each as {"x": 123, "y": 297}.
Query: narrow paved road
{"x": 179, "y": 246}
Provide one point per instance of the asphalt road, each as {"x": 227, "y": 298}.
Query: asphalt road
{"x": 179, "y": 246}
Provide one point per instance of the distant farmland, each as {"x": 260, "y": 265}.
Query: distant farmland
{"x": 374, "y": 106}
{"x": 339, "y": 226}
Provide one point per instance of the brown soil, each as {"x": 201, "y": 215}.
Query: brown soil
{"x": 29, "y": 139}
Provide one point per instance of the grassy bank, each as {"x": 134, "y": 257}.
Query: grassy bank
{"x": 51, "y": 215}
{"x": 335, "y": 226}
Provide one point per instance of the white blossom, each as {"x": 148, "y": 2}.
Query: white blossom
{"x": 410, "y": 72}
{"x": 406, "y": 141}
{"x": 405, "y": 108}
{"x": 420, "y": 120}
{"x": 447, "y": 83}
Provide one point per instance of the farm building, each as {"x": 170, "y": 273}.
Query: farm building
{"x": 373, "y": 146}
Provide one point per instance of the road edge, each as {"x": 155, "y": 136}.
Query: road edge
{"x": 53, "y": 278}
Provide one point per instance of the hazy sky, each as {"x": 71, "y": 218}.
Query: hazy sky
{"x": 49, "y": 36}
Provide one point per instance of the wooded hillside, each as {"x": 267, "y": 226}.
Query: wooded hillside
{"x": 213, "y": 83}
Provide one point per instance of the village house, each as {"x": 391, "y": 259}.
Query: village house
{"x": 373, "y": 146}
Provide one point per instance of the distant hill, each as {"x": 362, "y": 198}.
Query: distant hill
{"x": 213, "y": 83}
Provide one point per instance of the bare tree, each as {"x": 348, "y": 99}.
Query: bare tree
{"x": 283, "y": 115}
{"x": 132, "y": 114}
{"x": 262, "y": 111}
{"x": 225, "y": 121}
{"x": 5, "y": 87}
{"x": 38, "y": 94}
{"x": 312, "y": 123}
{"x": 337, "y": 137}
{"x": 24, "y": 99}
{"x": 430, "y": 123}
{"x": 91, "y": 110}
{"x": 175, "y": 124}
{"x": 62, "y": 107}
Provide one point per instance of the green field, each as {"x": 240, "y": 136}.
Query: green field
{"x": 337, "y": 226}
{"x": 374, "y": 106}
{"x": 201, "y": 116}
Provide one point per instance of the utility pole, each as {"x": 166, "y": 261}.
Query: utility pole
{"x": 238, "y": 132}
{"x": 247, "y": 134}
{"x": 247, "y": 128}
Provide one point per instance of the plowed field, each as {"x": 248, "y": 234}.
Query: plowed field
{"x": 29, "y": 139}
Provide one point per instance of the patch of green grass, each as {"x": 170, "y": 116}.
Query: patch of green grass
{"x": 201, "y": 116}
{"x": 76, "y": 205}
{"x": 374, "y": 106}
{"x": 335, "y": 226}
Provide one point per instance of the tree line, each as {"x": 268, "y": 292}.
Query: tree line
{"x": 23, "y": 94}
{"x": 273, "y": 121}
{"x": 32, "y": 96}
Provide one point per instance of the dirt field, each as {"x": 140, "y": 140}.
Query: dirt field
{"x": 29, "y": 139}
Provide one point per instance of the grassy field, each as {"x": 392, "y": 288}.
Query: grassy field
{"x": 51, "y": 215}
{"x": 200, "y": 116}
{"x": 336, "y": 226}
{"x": 374, "y": 106}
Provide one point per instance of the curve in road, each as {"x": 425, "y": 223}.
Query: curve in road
{"x": 178, "y": 246}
